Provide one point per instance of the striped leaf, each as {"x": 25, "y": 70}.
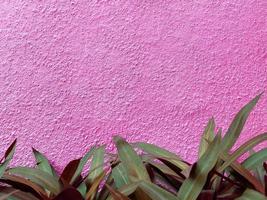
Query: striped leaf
{"x": 243, "y": 149}
{"x": 97, "y": 164}
{"x": 193, "y": 185}
{"x": 255, "y": 160}
{"x": 120, "y": 176}
{"x": 207, "y": 137}
{"x": 43, "y": 164}
{"x": 237, "y": 125}
{"x": 8, "y": 156}
{"x": 131, "y": 161}
{"x": 81, "y": 165}
{"x": 161, "y": 153}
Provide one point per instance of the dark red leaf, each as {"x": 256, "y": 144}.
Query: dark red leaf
{"x": 69, "y": 171}
{"x": 24, "y": 188}
{"x": 69, "y": 194}
{"x": 265, "y": 166}
{"x": 10, "y": 148}
{"x": 206, "y": 195}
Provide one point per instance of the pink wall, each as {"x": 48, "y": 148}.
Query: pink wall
{"x": 73, "y": 73}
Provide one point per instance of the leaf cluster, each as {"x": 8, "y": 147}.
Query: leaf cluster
{"x": 142, "y": 171}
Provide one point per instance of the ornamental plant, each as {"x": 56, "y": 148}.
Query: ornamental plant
{"x": 142, "y": 171}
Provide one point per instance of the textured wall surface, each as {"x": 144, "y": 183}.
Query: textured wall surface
{"x": 74, "y": 73}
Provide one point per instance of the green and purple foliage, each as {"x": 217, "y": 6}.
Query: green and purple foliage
{"x": 142, "y": 171}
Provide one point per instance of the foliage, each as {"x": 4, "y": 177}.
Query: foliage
{"x": 142, "y": 171}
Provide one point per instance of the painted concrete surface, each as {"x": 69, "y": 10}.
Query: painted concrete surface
{"x": 74, "y": 73}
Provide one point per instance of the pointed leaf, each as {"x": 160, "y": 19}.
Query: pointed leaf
{"x": 131, "y": 161}
{"x": 259, "y": 170}
{"x": 207, "y": 137}
{"x": 11, "y": 150}
{"x": 8, "y": 156}
{"x": 193, "y": 185}
{"x": 244, "y": 173}
{"x": 81, "y": 165}
{"x": 69, "y": 171}
{"x": 95, "y": 184}
{"x": 43, "y": 163}
{"x": 255, "y": 160}
{"x": 237, "y": 125}
{"x": 162, "y": 153}
{"x": 97, "y": 164}
{"x": 243, "y": 149}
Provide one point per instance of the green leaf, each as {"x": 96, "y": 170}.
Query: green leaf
{"x": 207, "y": 137}
{"x": 39, "y": 177}
{"x": 251, "y": 195}
{"x": 82, "y": 188}
{"x": 259, "y": 173}
{"x": 95, "y": 184}
{"x": 255, "y": 160}
{"x": 3, "y": 167}
{"x": 8, "y": 156}
{"x": 259, "y": 170}
{"x": 131, "y": 161}
{"x": 119, "y": 174}
{"x": 116, "y": 195}
{"x": 162, "y": 153}
{"x": 165, "y": 169}
{"x": 155, "y": 192}
{"x": 97, "y": 164}
{"x": 43, "y": 163}
{"x": 126, "y": 190}
{"x": 81, "y": 165}
{"x": 244, "y": 173}
{"x": 193, "y": 185}
{"x": 237, "y": 125}
{"x": 243, "y": 149}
